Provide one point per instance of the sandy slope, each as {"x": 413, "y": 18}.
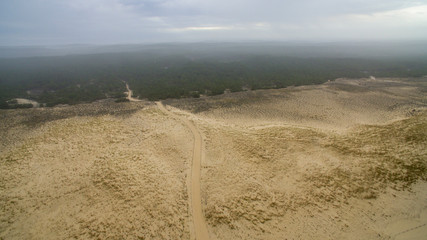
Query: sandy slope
{"x": 335, "y": 105}
{"x": 97, "y": 177}
{"x": 341, "y": 160}
{"x": 199, "y": 223}
{"x": 331, "y": 161}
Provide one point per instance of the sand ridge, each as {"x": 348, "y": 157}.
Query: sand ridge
{"x": 119, "y": 177}
{"x": 341, "y": 160}
{"x": 313, "y": 161}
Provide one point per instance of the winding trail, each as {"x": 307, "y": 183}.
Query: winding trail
{"x": 199, "y": 223}
{"x": 129, "y": 93}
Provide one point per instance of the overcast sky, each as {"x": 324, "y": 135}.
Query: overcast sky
{"x": 47, "y": 22}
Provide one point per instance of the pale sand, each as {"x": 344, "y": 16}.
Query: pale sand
{"x": 341, "y": 160}
{"x": 101, "y": 177}
{"x": 199, "y": 223}
{"x": 314, "y": 162}
{"x": 129, "y": 94}
{"x": 27, "y": 101}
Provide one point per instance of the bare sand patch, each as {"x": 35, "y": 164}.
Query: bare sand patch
{"x": 98, "y": 177}
{"x": 129, "y": 94}
{"x": 335, "y": 105}
{"x": 198, "y": 223}
{"x": 27, "y": 101}
{"x": 343, "y": 160}
{"x": 315, "y": 162}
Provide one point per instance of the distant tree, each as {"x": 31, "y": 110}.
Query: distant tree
{"x": 4, "y": 105}
{"x": 195, "y": 94}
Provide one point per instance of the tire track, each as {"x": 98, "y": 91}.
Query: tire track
{"x": 129, "y": 94}
{"x": 199, "y": 222}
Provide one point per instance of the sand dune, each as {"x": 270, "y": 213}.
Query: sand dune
{"x": 341, "y": 160}
{"x": 199, "y": 223}
{"x": 331, "y": 161}
{"x": 98, "y": 177}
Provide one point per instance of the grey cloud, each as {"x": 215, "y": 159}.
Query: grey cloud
{"x": 121, "y": 21}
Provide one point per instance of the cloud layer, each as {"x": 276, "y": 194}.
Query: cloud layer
{"x": 44, "y": 22}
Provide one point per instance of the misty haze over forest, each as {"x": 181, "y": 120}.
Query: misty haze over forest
{"x": 85, "y": 73}
{"x": 68, "y": 52}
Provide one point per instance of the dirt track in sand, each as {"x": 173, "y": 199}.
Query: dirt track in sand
{"x": 199, "y": 223}
{"x": 340, "y": 160}
{"x": 314, "y": 162}
{"x": 129, "y": 94}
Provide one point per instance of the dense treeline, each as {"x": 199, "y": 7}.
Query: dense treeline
{"x": 182, "y": 73}
{"x": 182, "y": 77}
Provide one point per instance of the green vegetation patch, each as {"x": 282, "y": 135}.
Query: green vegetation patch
{"x": 182, "y": 73}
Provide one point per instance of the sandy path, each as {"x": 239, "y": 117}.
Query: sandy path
{"x": 199, "y": 223}
{"x": 129, "y": 92}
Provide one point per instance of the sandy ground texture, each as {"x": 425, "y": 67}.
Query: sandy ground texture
{"x": 198, "y": 219}
{"x": 343, "y": 160}
{"x": 112, "y": 175}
